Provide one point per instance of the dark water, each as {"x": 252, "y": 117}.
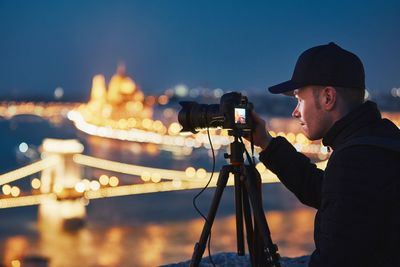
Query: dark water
{"x": 139, "y": 230}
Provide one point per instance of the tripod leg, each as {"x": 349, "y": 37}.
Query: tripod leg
{"x": 239, "y": 214}
{"x": 249, "y": 227}
{"x": 251, "y": 180}
{"x": 201, "y": 245}
{"x": 261, "y": 255}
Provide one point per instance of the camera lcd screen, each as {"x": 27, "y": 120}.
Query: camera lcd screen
{"x": 240, "y": 115}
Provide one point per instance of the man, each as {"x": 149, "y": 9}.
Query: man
{"x": 358, "y": 195}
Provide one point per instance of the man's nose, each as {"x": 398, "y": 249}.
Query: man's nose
{"x": 296, "y": 113}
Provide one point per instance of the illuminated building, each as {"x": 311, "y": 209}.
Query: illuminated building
{"x": 123, "y": 112}
{"x": 120, "y": 106}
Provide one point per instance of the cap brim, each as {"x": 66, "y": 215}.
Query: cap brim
{"x": 285, "y": 87}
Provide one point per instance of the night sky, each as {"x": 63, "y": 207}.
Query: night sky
{"x": 233, "y": 45}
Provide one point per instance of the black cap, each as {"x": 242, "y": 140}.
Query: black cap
{"x": 326, "y": 65}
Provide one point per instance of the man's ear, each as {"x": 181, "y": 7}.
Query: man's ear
{"x": 328, "y": 97}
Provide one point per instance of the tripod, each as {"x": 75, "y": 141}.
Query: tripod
{"x": 247, "y": 180}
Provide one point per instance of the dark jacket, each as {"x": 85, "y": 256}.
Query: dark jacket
{"x": 357, "y": 196}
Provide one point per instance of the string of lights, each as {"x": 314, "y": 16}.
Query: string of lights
{"x": 24, "y": 200}
{"x": 28, "y": 170}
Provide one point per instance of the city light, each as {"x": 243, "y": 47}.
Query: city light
{"x": 131, "y": 169}
{"x": 24, "y": 200}
{"x": 94, "y": 185}
{"x": 15, "y": 191}
{"x": 36, "y": 183}
{"x": 58, "y": 93}
{"x": 153, "y": 132}
{"x": 23, "y": 147}
{"x": 28, "y": 170}
{"x": 86, "y": 182}
{"x": 190, "y": 172}
{"x": 80, "y": 187}
{"x": 62, "y": 146}
{"x": 201, "y": 173}
{"x": 114, "y": 181}
{"x": 155, "y": 177}
{"x": 6, "y": 189}
{"x": 104, "y": 179}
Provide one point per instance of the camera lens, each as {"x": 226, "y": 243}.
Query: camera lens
{"x": 194, "y": 116}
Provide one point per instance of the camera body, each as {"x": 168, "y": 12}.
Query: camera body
{"x": 233, "y": 112}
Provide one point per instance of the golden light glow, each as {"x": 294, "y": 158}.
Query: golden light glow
{"x": 62, "y": 146}
{"x": 150, "y": 100}
{"x": 151, "y": 135}
{"x": 157, "y": 126}
{"x": 146, "y": 176}
{"x": 201, "y": 173}
{"x": 177, "y": 183}
{"x": 174, "y": 128}
{"x": 169, "y": 112}
{"x": 136, "y": 170}
{"x": 15, "y": 191}
{"x": 104, "y": 179}
{"x": 80, "y": 187}
{"x": 58, "y": 188}
{"x": 155, "y": 177}
{"x": 116, "y": 106}
{"x": 147, "y": 123}
{"x": 28, "y": 170}
{"x": 86, "y": 183}
{"x": 98, "y": 88}
{"x": 15, "y": 263}
{"x": 148, "y": 173}
{"x": 36, "y": 183}
{"x": 163, "y": 187}
{"x": 94, "y": 185}
{"x": 146, "y": 131}
{"x": 137, "y": 106}
{"x": 114, "y": 181}
{"x": 190, "y": 172}
{"x": 24, "y": 200}
{"x": 163, "y": 100}
{"x": 6, "y": 189}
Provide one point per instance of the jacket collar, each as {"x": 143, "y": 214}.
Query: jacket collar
{"x": 348, "y": 126}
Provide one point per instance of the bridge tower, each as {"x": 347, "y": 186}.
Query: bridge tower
{"x": 66, "y": 206}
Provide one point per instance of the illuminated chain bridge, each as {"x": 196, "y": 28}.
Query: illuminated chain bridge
{"x": 60, "y": 178}
{"x": 61, "y": 190}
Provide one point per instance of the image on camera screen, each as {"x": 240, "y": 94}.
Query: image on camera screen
{"x": 240, "y": 116}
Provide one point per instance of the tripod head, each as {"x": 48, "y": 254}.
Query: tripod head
{"x": 236, "y": 153}
{"x": 237, "y": 148}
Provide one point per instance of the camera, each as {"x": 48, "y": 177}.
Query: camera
{"x": 232, "y": 113}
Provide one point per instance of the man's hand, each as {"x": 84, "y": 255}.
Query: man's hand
{"x": 261, "y": 136}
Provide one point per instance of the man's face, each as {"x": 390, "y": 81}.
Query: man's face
{"x": 310, "y": 114}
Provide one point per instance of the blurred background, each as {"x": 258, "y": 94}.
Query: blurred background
{"x": 93, "y": 171}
